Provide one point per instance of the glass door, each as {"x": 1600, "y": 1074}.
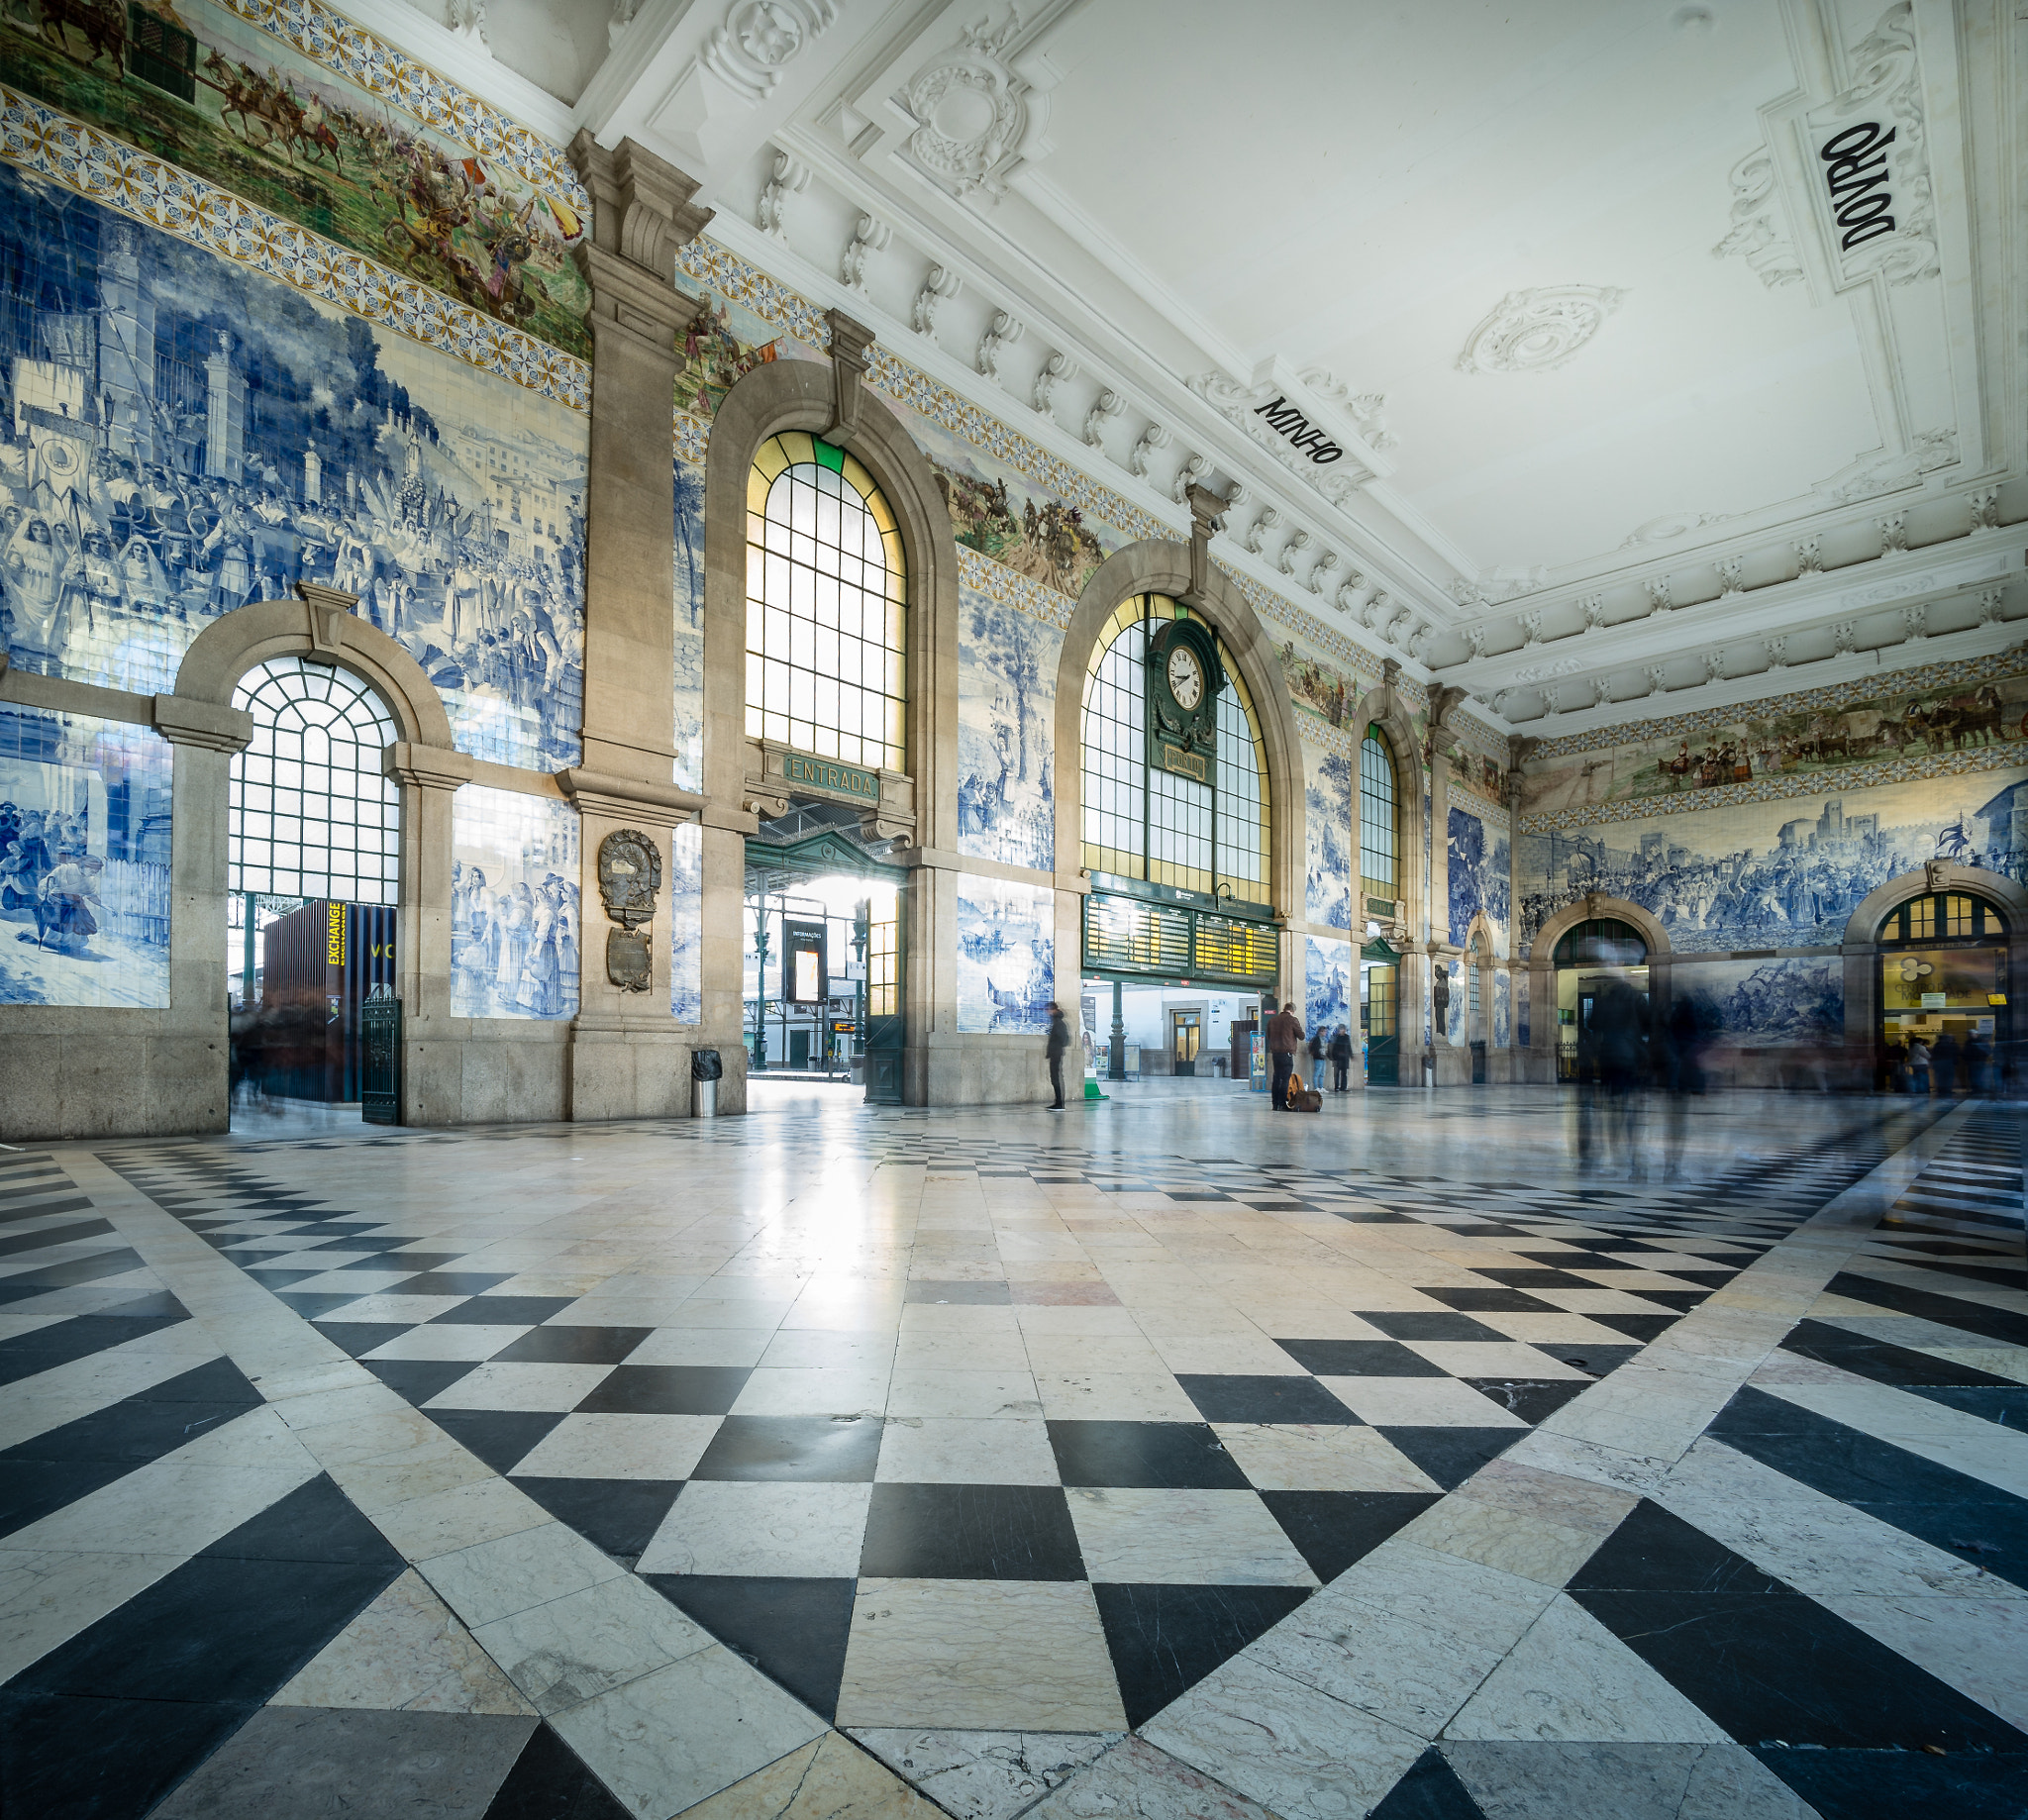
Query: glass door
{"x": 1185, "y": 1034}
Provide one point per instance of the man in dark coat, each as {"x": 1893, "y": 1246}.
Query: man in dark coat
{"x": 1284, "y": 1038}
{"x": 1058, "y": 1042}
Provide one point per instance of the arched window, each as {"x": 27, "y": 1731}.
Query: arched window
{"x": 1603, "y": 941}
{"x": 1143, "y": 823}
{"x": 310, "y": 814}
{"x": 1947, "y": 916}
{"x": 1379, "y": 820}
{"x": 826, "y": 606}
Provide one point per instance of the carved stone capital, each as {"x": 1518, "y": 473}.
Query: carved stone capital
{"x": 203, "y": 724}
{"x": 428, "y": 767}
{"x": 641, "y": 204}
{"x": 627, "y": 300}
{"x": 1205, "y": 510}
{"x": 624, "y": 799}
{"x": 850, "y": 340}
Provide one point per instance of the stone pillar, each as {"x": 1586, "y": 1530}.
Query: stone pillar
{"x": 433, "y": 1052}
{"x": 188, "y": 1075}
{"x": 630, "y": 1058}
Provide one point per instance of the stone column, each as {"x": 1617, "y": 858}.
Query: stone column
{"x": 432, "y": 1049}
{"x": 187, "y": 1074}
{"x": 628, "y": 1057}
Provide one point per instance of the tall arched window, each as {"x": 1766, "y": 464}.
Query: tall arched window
{"x": 1143, "y": 823}
{"x": 310, "y": 814}
{"x": 826, "y": 606}
{"x": 1379, "y": 819}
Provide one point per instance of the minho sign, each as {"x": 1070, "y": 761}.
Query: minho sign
{"x": 1300, "y": 434}
{"x": 817, "y": 773}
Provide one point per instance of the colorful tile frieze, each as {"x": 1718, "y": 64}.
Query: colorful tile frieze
{"x": 1010, "y": 588}
{"x": 1911, "y": 723}
{"x": 308, "y": 120}
{"x": 40, "y": 141}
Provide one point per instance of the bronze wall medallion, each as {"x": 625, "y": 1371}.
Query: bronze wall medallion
{"x": 628, "y": 876}
{"x": 628, "y": 966}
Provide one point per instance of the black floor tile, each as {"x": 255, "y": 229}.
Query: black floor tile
{"x": 1879, "y": 1360}
{"x": 619, "y": 1515}
{"x": 316, "y": 1522}
{"x": 1655, "y": 1551}
{"x": 1600, "y": 1360}
{"x": 1530, "y": 1398}
{"x": 1536, "y": 1278}
{"x": 1681, "y": 1301}
{"x": 1166, "y": 1639}
{"x": 970, "y": 1532}
{"x": 361, "y": 1336}
{"x": 282, "y": 1279}
{"x": 1642, "y": 1326}
{"x": 492, "y": 1310}
{"x": 419, "y": 1379}
{"x": 88, "y": 1758}
{"x": 314, "y": 1305}
{"x": 215, "y": 1630}
{"x": 448, "y": 1283}
{"x": 1265, "y": 1399}
{"x": 549, "y": 1781}
{"x": 2005, "y": 1404}
{"x": 46, "y": 1236}
{"x": 1882, "y": 1784}
{"x": 573, "y": 1344}
{"x": 502, "y": 1438}
{"x": 1451, "y": 1456}
{"x": 985, "y": 1295}
{"x": 1430, "y": 1791}
{"x": 794, "y": 1631}
{"x": 1416, "y": 1323}
{"x": 1780, "y": 1666}
{"x": 1176, "y": 1456}
{"x": 1947, "y": 1310}
{"x": 1333, "y": 1529}
{"x": 1359, "y": 1358}
{"x": 793, "y": 1448}
{"x": 662, "y": 1390}
{"x": 1488, "y": 1302}
{"x": 78, "y": 1338}
{"x": 405, "y": 1261}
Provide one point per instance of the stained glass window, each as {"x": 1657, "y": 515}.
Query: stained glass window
{"x": 1151, "y": 824}
{"x": 310, "y": 814}
{"x": 827, "y": 591}
{"x": 1379, "y": 819}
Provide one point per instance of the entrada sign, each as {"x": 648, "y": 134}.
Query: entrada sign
{"x": 1856, "y": 171}
{"x": 829, "y": 774}
{"x": 1302, "y": 436}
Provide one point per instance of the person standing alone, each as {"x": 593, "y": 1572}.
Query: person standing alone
{"x": 1341, "y": 1059}
{"x": 1059, "y": 1043}
{"x": 1284, "y": 1037}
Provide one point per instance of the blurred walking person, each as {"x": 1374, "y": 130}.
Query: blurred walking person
{"x": 1341, "y": 1060}
{"x": 1919, "y": 1067}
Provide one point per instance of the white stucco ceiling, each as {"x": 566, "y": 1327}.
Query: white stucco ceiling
{"x": 1179, "y": 201}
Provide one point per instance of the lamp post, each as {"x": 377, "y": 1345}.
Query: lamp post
{"x": 760, "y": 987}
{"x": 862, "y": 940}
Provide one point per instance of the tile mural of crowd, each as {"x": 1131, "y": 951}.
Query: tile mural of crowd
{"x": 1479, "y": 879}
{"x": 270, "y": 124}
{"x": 1786, "y": 874}
{"x": 516, "y": 927}
{"x": 182, "y": 436}
{"x": 1006, "y": 710}
{"x": 84, "y": 861}
{"x": 1006, "y": 956}
{"x": 1330, "y": 815}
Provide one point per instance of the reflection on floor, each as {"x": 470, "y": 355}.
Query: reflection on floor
{"x": 1168, "y": 1458}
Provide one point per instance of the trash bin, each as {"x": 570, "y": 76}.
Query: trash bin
{"x": 706, "y": 1070}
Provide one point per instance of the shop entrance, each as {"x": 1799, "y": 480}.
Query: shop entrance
{"x": 1378, "y": 1023}
{"x": 1185, "y": 1033}
{"x": 1944, "y": 985}
{"x": 1594, "y": 961}
{"x": 823, "y": 962}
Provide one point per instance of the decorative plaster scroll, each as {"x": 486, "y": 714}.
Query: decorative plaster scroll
{"x": 1554, "y": 667}
{"x": 1756, "y": 235}
{"x": 940, "y": 285}
{"x": 1055, "y": 370}
{"x": 92, "y": 163}
{"x": 1306, "y": 424}
{"x": 1152, "y": 438}
{"x": 1002, "y": 332}
{"x": 1671, "y": 526}
{"x": 869, "y": 236}
{"x": 759, "y": 37}
{"x": 1538, "y": 331}
{"x": 791, "y": 177}
{"x": 974, "y": 114}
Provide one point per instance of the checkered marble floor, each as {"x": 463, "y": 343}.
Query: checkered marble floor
{"x": 991, "y": 1442}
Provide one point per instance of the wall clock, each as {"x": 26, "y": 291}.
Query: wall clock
{"x": 1184, "y": 679}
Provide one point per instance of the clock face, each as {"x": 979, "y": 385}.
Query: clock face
{"x": 1185, "y": 677}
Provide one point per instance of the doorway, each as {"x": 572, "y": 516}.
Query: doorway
{"x": 822, "y": 952}
{"x": 1589, "y": 955}
{"x": 1943, "y": 960}
{"x": 1378, "y": 1023}
{"x": 1186, "y": 1033}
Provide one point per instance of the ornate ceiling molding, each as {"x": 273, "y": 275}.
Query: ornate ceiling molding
{"x": 1312, "y": 425}
{"x": 975, "y": 115}
{"x": 1538, "y": 331}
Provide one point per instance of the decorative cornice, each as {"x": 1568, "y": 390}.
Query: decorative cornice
{"x": 428, "y": 767}
{"x": 203, "y": 724}
{"x": 628, "y": 799}
{"x": 93, "y": 164}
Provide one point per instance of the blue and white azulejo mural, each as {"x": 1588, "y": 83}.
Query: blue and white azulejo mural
{"x": 184, "y": 436}
{"x": 515, "y": 927}
{"x": 689, "y": 602}
{"x": 1478, "y": 873}
{"x": 1007, "y": 711}
{"x": 1768, "y": 1004}
{"x": 84, "y": 861}
{"x": 686, "y": 924}
{"x": 1330, "y": 985}
{"x": 1330, "y": 804}
{"x": 1006, "y": 955}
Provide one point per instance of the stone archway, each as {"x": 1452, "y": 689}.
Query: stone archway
{"x": 1538, "y": 1062}
{"x": 1861, "y": 945}
{"x": 423, "y": 762}
{"x": 830, "y": 401}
